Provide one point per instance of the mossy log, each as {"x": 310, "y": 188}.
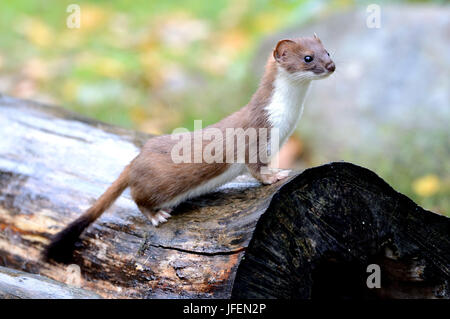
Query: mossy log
{"x": 311, "y": 235}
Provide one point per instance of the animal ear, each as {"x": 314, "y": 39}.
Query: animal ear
{"x": 316, "y": 37}
{"x": 281, "y": 49}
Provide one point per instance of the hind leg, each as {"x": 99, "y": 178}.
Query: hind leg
{"x": 156, "y": 216}
{"x": 147, "y": 205}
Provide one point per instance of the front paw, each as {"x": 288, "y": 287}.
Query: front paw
{"x": 271, "y": 178}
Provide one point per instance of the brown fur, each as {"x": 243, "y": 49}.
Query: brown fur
{"x": 154, "y": 179}
{"x": 61, "y": 244}
{"x": 154, "y": 163}
{"x": 290, "y": 55}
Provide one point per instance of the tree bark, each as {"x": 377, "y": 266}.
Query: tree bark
{"x": 15, "y": 284}
{"x": 311, "y": 235}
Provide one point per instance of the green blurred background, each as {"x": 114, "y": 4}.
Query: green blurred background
{"x": 158, "y": 65}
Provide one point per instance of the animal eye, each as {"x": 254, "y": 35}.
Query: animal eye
{"x": 328, "y": 53}
{"x": 308, "y": 58}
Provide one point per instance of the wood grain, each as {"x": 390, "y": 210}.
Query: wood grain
{"x": 310, "y": 236}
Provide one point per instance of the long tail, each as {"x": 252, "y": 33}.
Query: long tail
{"x": 63, "y": 243}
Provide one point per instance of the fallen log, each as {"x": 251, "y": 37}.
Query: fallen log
{"x": 15, "y": 284}
{"x": 312, "y": 235}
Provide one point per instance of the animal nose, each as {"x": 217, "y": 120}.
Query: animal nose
{"x": 330, "y": 66}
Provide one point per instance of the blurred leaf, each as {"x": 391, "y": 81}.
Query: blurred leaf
{"x": 267, "y": 21}
{"x": 37, "y": 32}
{"x": 109, "y": 67}
{"x": 426, "y": 186}
{"x": 92, "y": 17}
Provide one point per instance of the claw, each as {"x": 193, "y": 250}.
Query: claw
{"x": 154, "y": 221}
{"x": 165, "y": 213}
{"x": 160, "y": 217}
{"x": 274, "y": 176}
{"x": 283, "y": 174}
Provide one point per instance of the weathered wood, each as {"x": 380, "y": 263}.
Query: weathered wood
{"x": 53, "y": 165}
{"x": 15, "y": 284}
{"x": 325, "y": 227}
{"x": 336, "y": 218}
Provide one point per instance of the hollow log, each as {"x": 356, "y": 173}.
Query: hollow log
{"x": 311, "y": 235}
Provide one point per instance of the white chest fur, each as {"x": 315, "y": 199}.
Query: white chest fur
{"x": 286, "y": 105}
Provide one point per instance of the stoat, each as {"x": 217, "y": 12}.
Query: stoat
{"x": 158, "y": 183}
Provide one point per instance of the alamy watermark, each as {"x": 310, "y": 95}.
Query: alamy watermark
{"x": 374, "y": 279}
{"x": 373, "y": 20}
{"x": 73, "y": 275}
{"x": 73, "y": 21}
{"x": 228, "y": 145}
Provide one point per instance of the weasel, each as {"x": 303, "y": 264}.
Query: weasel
{"x": 158, "y": 184}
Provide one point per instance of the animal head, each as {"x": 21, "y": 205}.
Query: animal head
{"x": 304, "y": 58}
